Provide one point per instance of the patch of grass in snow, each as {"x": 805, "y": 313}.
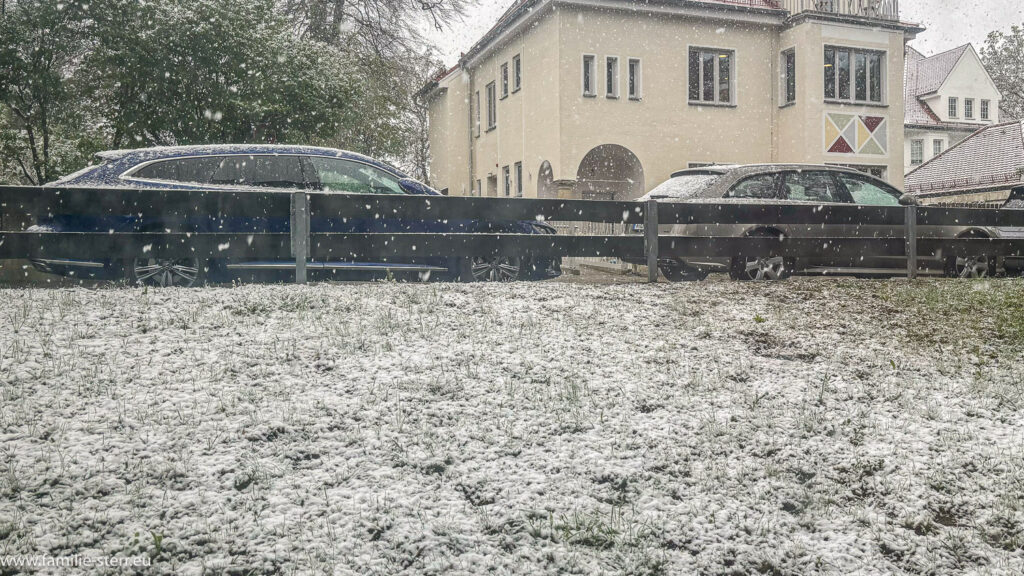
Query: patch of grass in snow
{"x": 978, "y": 313}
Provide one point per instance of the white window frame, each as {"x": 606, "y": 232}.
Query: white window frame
{"x": 718, "y": 52}
{"x": 968, "y": 108}
{"x": 611, "y": 79}
{"x": 517, "y": 73}
{"x": 883, "y": 86}
{"x": 954, "y": 107}
{"x": 986, "y": 109}
{"x": 506, "y": 180}
{"x": 916, "y": 146}
{"x": 519, "y": 179}
{"x": 504, "y": 80}
{"x": 635, "y": 79}
{"x": 785, "y": 77}
{"x": 589, "y": 64}
{"x": 938, "y": 146}
{"x": 492, "y": 106}
{"x": 477, "y": 107}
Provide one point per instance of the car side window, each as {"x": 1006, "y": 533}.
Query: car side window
{"x": 760, "y": 186}
{"x": 192, "y": 170}
{"x": 264, "y": 171}
{"x": 347, "y": 176}
{"x": 867, "y": 193}
{"x": 811, "y": 186}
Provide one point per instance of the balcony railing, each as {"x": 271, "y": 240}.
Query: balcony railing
{"x": 884, "y": 9}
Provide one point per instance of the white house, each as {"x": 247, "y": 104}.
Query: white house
{"x": 948, "y": 97}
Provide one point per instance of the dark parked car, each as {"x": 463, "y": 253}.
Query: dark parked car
{"x": 262, "y": 167}
{"x": 805, "y": 185}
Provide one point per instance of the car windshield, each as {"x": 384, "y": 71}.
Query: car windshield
{"x": 684, "y": 186}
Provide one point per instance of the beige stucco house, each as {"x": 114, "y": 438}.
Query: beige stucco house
{"x": 948, "y": 97}
{"x": 607, "y": 98}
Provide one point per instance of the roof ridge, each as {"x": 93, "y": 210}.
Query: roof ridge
{"x": 944, "y": 52}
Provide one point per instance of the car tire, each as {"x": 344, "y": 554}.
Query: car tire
{"x": 166, "y": 272}
{"x": 492, "y": 269}
{"x": 683, "y": 273}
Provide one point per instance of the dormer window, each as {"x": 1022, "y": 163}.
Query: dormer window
{"x": 954, "y": 108}
{"x": 985, "y": 109}
{"x": 969, "y": 108}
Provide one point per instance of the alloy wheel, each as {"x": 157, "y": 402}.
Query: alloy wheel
{"x": 972, "y": 266}
{"x": 765, "y": 269}
{"x": 497, "y": 269}
{"x": 162, "y": 272}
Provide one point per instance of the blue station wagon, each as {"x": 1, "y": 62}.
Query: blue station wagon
{"x": 259, "y": 167}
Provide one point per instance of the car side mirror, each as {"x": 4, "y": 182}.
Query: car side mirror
{"x": 909, "y": 200}
{"x": 415, "y": 188}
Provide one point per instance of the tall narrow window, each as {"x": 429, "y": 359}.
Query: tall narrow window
{"x": 588, "y": 75}
{"x": 854, "y": 75}
{"x": 479, "y": 188}
{"x": 504, "y": 80}
{"x": 711, "y": 76}
{"x": 519, "y": 179}
{"x": 507, "y": 180}
{"x": 969, "y": 108}
{"x": 954, "y": 110}
{"x": 861, "y": 76}
{"x": 830, "y": 73}
{"x": 634, "y": 79}
{"x": 916, "y": 152}
{"x": 789, "y": 76}
{"x": 843, "y": 80}
{"x": 476, "y": 107}
{"x": 517, "y": 73}
{"x": 611, "y": 77}
{"x": 492, "y": 108}
{"x": 985, "y": 109}
{"x": 938, "y": 146}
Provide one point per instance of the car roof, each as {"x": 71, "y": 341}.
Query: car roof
{"x": 138, "y": 155}
{"x": 744, "y": 169}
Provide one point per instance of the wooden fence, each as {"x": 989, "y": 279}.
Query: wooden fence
{"x": 169, "y": 211}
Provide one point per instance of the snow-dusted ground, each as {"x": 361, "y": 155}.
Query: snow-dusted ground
{"x": 815, "y": 426}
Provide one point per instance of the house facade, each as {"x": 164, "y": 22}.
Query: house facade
{"x": 948, "y": 97}
{"x": 605, "y": 99}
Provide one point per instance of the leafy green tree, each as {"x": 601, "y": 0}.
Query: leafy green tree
{"x": 1003, "y": 55}
{"x": 43, "y": 130}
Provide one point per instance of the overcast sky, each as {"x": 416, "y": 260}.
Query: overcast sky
{"x": 950, "y": 23}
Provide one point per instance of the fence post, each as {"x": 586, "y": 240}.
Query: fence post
{"x": 651, "y": 239}
{"x": 910, "y": 233}
{"x": 300, "y": 234}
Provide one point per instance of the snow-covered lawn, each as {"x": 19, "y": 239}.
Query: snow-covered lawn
{"x": 814, "y": 426}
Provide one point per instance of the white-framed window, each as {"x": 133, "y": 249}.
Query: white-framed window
{"x": 916, "y": 152}
{"x": 611, "y": 76}
{"x": 589, "y": 75}
{"x": 504, "y": 80}
{"x": 969, "y": 108}
{"x": 506, "y": 180}
{"x": 954, "y": 107}
{"x": 789, "y": 76}
{"x": 938, "y": 145}
{"x": 517, "y": 73}
{"x": 492, "y": 108}
{"x": 476, "y": 108}
{"x": 635, "y": 73}
{"x": 985, "y": 104}
{"x": 711, "y": 72}
{"x": 854, "y": 75}
{"x": 519, "y": 179}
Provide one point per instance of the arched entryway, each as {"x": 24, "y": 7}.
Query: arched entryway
{"x": 610, "y": 172}
{"x": 546, "y": 181}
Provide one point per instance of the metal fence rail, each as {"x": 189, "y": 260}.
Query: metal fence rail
{"x": 163, "y": 223}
